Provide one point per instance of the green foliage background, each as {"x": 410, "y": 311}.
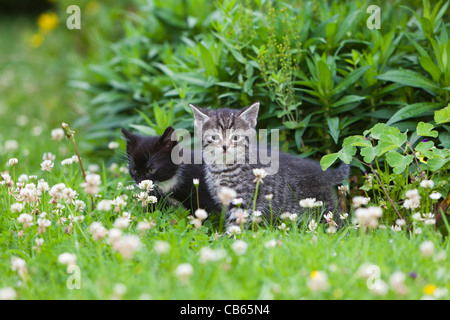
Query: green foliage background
{"x": 319, "y": 72}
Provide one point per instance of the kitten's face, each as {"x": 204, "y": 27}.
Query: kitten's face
{"x": 225, "y": 133}
{"x": 149, "y": 158}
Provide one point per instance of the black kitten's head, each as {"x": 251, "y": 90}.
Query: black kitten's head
{"x": 149, "y": 158}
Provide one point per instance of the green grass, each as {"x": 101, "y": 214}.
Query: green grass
{"x": 34, "y": 84}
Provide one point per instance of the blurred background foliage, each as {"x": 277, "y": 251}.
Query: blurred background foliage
{"x": 319, "y": 72}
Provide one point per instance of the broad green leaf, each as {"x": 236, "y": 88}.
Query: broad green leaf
{"x": 347, "y": 100}
{"x": 443, "y": 115}
{"x": 398, "y": 161}
{"x": 413, "y": 110}
{"x": 346, "y": 154}
{"x": 408, "y": 78}
{"x": 424, "y": 148}
{"x": 328, "y": 160}
{"x": 369, "y": 153}
{"x": 430, "y": 67}
{"x": 350, "y": 79}
{"x": 333, "y": 125}
{"x": 426, "y": 130}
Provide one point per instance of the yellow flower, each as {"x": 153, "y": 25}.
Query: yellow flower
{"x": 315, "y": 274}
{"x": 47, "y": 21}
{"x": 429, "y": 289}
{"x": 36, "y": 40}
{"x": 423, "y": 159}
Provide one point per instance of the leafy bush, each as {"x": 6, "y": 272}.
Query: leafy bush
{"x": 319, "y": 72}
{"x": 411, "y": 162}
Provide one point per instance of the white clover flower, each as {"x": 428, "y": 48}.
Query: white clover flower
{"x": 161, "y": 247}
{"x": 256, "y": 216}
{"x": 19, "y": 265}
{"x": 67, "y": 162}
{"x": 312, "y": 226}
{"x": 48, "y": 156}
{"x": 293, "y": 216}
{"x": 57, "y": 134}
{"x": 97, "y": 230}
{"x": 152, "y": 199}
{"x": 240, "y": 215}
{"x": 331, "y": 229}
{"x": 12, "y": 162}
{"x": 269, "y": 197}
{"x": 427, "y": 184}
{"x": 68, "y": 259}
{"x": 285, "y": 215}
{"x": 417, "y": 231}
{"x": 113, "y": 145}
{"x": 121, "y": 223}
{"x": 104, "y": 205}
{"x": 397, "y": 282}
{"x": 114, "y": 235}
{"x": 143, "y": 226}
{"x": 207, "y": 254}
{"x": 400, "y": 222}
{"x": 146, "y": 185}
{"x": 343, "y": 216}
{"x": 201, "y": 214}
{"x": 308, "y": 203}
{"x": 396, "y": 228}
{"x": 260, "y": 174}
{"x": 79, "y": 205}
{"x": 7, "y": 293}
{"x": 92, "y": 168}
{"x": 11, "y": 145}
{"x": 380, "y": 288}
{"x": 239, "y": 247}
{"x": 127, "y": 245}
{"x": 226, "y": 195}
{"x": 233, "y": 230}
{"x": 25, "y": 219}
{"x": 427, "y": 248}
{"x": 17, "y": 207}
{"x": 359, "y": 201}
{"x": 47, "y": 165}
{"x": 412, "y": 194}
{"x": 196, "y": 182}
{"x": 271, "y": 243}
{"x": 283, "y": 227}
{"x": 92, "y": 183}
{"x": 435, "y": 195}
{"x": 318, "y": 281}
{"x": 118, "y": 204}
{"x": 237, "y": 201}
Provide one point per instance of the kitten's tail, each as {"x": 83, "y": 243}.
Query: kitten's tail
{"x": 336, "y": 176}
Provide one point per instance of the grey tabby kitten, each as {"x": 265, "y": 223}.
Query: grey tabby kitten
{"x": 295, "y": 180}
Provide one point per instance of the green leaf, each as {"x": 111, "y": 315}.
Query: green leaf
{"x": 413, "y": 110}
{"x": 443, "y": 115}
{"x": 328, "y": 160}
{"x": 425, "y": 130}
{"x": 350, "y": 79}
{"x": 424, "y": 148}
{"x": 398, "y": 161}
{"x": 369, "y": 153}
{"x": 333, "y": 125}
{"x": 346, "y": 154}
{"x": 430, "y": 67}
{"x": 347, "y": 100}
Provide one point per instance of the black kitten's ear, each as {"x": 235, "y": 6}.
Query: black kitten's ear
{"x": 166, "y": 139}
{"x": 131, "y": 138}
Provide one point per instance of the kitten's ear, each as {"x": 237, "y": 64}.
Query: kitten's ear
{"x": 166, "y": 139}
{"x": 250, "y": 114}
{"x": 131, "y": 138}
{"x": 199, "y": 116}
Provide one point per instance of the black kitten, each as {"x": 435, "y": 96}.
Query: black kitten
{"x": 149, "y": 158}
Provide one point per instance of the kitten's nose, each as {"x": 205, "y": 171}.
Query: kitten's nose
{"x": 224, "y": 147}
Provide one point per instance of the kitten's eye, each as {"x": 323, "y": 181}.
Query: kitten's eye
{"x": 235, "y": 137}
{"x": 133, "y": 171}
{"x": 214, "y": 138}
{"x": 152, "y": 170}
